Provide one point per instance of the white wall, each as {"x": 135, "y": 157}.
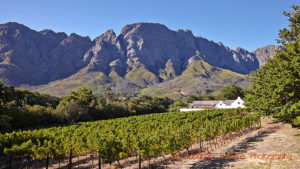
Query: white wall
{"x": 238, "y": 103}
{"x": 190, "y": 109}
{"x": 221, "y": 105}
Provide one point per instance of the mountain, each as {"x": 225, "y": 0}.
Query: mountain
{"x": 143, "y": 55}
{"x": 266, "y": 52}
{"x": 31, "y": 57}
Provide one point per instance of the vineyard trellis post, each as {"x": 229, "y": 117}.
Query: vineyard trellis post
{"x": 200, "y": 142}
{"x": 200, "y": 145}
{"x": 47, "y": 160}
{"x": 91, "y": 156}
{"x": 259, "y": 122}
{"x": 27, "y": 164}
{"x": 139, "y": 160}
{"x": 9, "y": 161}
{"x": 70, "y": 160}
{"x": 99, "y": 160}
{"x": 59, "y": 157}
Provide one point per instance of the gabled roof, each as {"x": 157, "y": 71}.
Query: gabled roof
{"x": 228, "y": 102}
{"x": 205, "y": 103}
{"x": 211, "y": 102}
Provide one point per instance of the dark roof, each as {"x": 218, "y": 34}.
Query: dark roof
{"x": 211, "y": 102}
{"x": 205, "y": 103}
{"x": 228, "y": 102}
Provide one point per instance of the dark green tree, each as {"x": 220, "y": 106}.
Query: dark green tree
{"x": 231, "y": 92}
{"x": 78, "y": 106}
{"x": 72, "y": 111}
{"x": 83, "y": 95}
{"x": 177, "y": 105}
{"x": 276, "y": 86}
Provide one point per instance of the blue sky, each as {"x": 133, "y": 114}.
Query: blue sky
{"x": 246, "y": 23}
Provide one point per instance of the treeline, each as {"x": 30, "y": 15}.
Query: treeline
{"x": 229, "y": 92}
{"x": 83, "y": 105}
{"x": 20, "y": 108}
{"x": 23, "y": 109}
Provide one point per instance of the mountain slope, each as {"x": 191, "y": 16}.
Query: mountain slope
{"x": 31, "y": 57}
{"x": 266, "y": 52}
{"x": 142, "y": 55}
{"x": 201, "y": 77}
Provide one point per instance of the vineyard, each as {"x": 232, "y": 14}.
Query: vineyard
{"x": 145, "y": 136}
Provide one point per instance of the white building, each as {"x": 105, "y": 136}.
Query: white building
{"x": 216, "y": 104}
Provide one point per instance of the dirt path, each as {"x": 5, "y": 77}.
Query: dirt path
{"x": 275, "y": 145}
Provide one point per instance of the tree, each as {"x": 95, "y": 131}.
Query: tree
{"x": 276, "y": 86}
{"x": 108, "y": 94}
{"x": 231, "y": 92}
{"x": 147, "y": 104}
{"x": 291, "y": 35}
{"x": 83, "y": 95}
{"x": 71, "y": 112}
{"x": 191, "y": 98}
{"x": 78, "y": 106}
{"x": 177, "y": 105}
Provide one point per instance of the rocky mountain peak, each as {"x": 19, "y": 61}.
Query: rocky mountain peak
{"x": 241, "y": 51}
{"x": 266, "y": 52}
{"x": 76, "y": 37}
{"x": 142, "y": 27}
{"x": 185, "y": 31}
{"x": 149, "y": 52}
{"x": 107, "y": 36}
{"x": 12, "y": 25}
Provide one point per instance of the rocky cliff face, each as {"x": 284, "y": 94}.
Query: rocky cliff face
{"x": 266, "y": 52}
{"x": 31, "y": 57}
{"x": 146, "y": 51}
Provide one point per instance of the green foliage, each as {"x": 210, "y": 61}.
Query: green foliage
{"x": 83, "y": 95}
{"x": 150, "y": 135}
{"x": 231, "y": 92}
{"x": 291, "y": 35}
{"x": 276, "y": 86}
{"x": 72, "y": 111}
{"x": 191, "y": 98}
{"x": 23, "y": 97}
{"x": 82, "y": 105}
{"x": 5, "y": 123}
{"x": 207, "y": 107}
{"x": 20, "y": 108}
{"x": 177, "y": 105}
{"x": 147, "y": 104}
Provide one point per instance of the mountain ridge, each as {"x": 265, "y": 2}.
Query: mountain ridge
{"x": 142, "y": 54}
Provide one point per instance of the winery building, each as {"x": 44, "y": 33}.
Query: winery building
{"x": 216, "y": 104}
